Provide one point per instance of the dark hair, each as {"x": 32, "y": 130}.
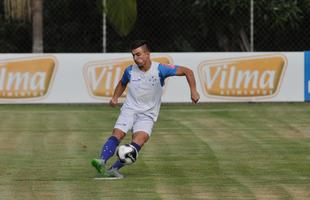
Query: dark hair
{"x": 138, "y": 43}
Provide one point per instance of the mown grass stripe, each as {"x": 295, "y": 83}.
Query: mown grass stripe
{"x": 207, "y": 151}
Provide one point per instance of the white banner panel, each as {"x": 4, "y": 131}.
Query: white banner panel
{"x": 91, "y": 78}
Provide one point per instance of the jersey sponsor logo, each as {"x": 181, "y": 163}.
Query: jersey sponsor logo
{"x": 26, "y": 79}
{"x": 103, "y": 76}
{"x": 243, "y": 78}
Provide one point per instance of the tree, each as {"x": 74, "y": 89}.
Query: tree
{"x": 281, "y": 25}
{"x": 17, "y": 10}
{"x": 228, "y": 23}
{"x": 25, "y": 11}
{"x": 121, "y": 14}
{"x": 37, "y": 26}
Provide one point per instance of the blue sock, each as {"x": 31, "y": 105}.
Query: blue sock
{"x": 109, "y": 148}
{"x": 138, "y": 147}
{"x": 118, "y": 163}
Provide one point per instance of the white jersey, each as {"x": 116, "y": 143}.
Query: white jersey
{"x": 145, "y": 88}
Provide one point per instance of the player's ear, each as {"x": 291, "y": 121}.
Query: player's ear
{"x": 147, "y": 53}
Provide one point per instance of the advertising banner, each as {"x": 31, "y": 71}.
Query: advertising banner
{"x": 307, "y": 76}
{"x": 91, "y": 78}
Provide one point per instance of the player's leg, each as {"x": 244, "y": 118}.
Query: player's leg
{"x": 109, "y": 147}
{"x": 122, "y": 125}
{"x": 138, "y": 140}
{"x": 108, "y": 150}
{"x": 142, "y": 129}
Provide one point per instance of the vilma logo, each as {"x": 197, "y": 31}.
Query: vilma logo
{"x": 243, "y": 78}
{"x": 26, "y": 78}
{"x": 102, "y": 77}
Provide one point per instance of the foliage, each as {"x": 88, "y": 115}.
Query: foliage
{"x": 121, "y": 14}
{"x": 281, "y": 25}
{"x": 68, "y": 28}
{"x": 178, "y": 25}
{"x": 279, "y": 14}
{"x": 19, "y": 10}
{"x": 15, "y": 37}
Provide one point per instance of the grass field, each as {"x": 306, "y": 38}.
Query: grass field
{"x": 208, "y": 151}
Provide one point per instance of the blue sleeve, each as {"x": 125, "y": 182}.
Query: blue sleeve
{"x": 126, "y": 76}
{"x": 165, "y": 71}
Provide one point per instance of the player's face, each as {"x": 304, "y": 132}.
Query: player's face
{"x": 140, "y": 56}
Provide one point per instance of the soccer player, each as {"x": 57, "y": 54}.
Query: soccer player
{"x": 145, "y": 80}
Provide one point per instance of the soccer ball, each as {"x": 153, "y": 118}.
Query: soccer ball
{"x": 127, "y": 154}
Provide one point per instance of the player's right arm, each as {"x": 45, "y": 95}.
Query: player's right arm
{"x": 121, "y": 86}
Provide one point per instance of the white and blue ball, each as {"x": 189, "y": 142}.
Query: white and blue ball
{"x": 127, "y": 154}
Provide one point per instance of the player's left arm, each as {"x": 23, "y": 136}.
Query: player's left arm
{"x": 184, "y": 71}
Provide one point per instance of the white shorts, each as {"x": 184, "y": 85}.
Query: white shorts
{"x": 128, "y": 120}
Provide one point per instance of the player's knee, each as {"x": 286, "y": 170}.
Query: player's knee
{"x": 140, "y": 138}
{"x": 118, "y": 134}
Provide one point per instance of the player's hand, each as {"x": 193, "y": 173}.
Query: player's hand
{"x": 113, "y": 102}
{"x": 195, "y": 96}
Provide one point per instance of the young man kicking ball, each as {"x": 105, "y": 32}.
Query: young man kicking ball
{"x": 145, "y": 80}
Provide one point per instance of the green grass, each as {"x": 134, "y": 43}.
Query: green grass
{"x": 207, "y": 151}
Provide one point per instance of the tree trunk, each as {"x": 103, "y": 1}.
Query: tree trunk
{"x": 244, "y": 44}
{"x": 19, "y": 10}
{"x": 37, "y": 26}
{"x": 104, "y": 29}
